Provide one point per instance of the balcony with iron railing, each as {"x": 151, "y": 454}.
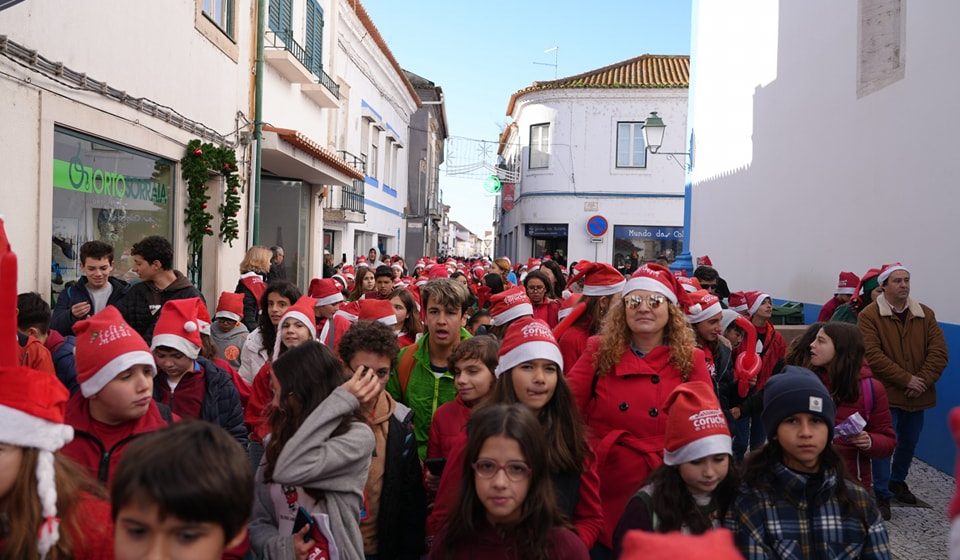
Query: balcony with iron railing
{"x": 345, "y": 203}
{"x": 297, "y": 65}
{"x": 357, "y": 162}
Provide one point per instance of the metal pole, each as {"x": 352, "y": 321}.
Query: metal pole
{"x": 258, "y": 118}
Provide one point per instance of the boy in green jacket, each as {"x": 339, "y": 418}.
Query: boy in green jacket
{"x": 421, "y": 380}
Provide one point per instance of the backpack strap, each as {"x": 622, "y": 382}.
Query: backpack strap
{"x": 869, "y": 402}
{"x": 405, "y": 368}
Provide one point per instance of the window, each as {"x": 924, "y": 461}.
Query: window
{"x": 313, "y": 42}
{"x": 388, "y": 163}
{"x": 365, "y": 144}
{"x": 220, "y": 12}
{"x": 373, "y": 170}
{"x": 631, "y": 151}
{"x": 280, "y": 17}
{"x": 539, "y": 146}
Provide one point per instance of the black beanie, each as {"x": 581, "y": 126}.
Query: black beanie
{"x": 796, "y": 390}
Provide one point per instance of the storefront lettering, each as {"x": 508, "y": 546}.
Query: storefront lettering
{"x": 648, "y": 232}
{"x": 75, "y": 176}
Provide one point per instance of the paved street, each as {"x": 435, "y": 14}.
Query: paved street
{"x": 921, "y": 533}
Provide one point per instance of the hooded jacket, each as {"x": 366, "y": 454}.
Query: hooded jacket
{"x": 62, "y": 319}
{"x": 34, "y": 355}
{"x": 64, "y": 362}
{"x": 141, "y": 306}
{"x": 229, "y": 344}
{"x": 314, "y": 458}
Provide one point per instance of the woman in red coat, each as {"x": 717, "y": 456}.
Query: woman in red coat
{"x": 645, "y": 350}
{"x": 538, "y": 287}
{"x": 836, "y": 355}
{"x": 602, "y": 285}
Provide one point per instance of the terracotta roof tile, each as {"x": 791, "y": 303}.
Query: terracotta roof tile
{"x": 302, "y": 141}
{"x": 644, "y": 71}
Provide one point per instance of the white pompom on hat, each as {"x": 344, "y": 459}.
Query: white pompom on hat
{"x": 178, "y": 327}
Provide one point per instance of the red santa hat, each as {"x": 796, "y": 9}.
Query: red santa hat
{"x": 229, "y": 306}
{"x": 437, "y": 271}
{"x": 568, "y": 305}
{"x": 203, "y": 319}
{"x": 599, "y": 279}
{"x": 325, "y": 291}
{"x": 509, "y": 305}
{"x": 738, "y": 302}
{"x": 715, "y": 544}
{"x": 658, "y": 279}
{"x": 525, "y": 340}
{"x": 32, "y": 403}
{"x": 340, "y": 280}
{"x": 178, "y": 327}
{"x": 888, "y": 269}
{"x": 348, "y": 271}
{"x": 349, "y": 311}
{"x": 378, "y": 310}
{"x": 362, "y": 260}
{"x": 847, "y": 284}
{"x": 704, "y": 261}
{"x": 689, "y": 285}
{"x": 703, "y": 305}
{"x": 107, "y": 346}
{"x": 532, "y": 264}
{"x": 754, "y": 301}
{"x": 696, "y": 426}
{"x": 302, "y": 311}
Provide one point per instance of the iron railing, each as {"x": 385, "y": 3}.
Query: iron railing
{"x": 346, "y": 198}
{"x": 284, "y": 40}
{"x": 357, "y": 162}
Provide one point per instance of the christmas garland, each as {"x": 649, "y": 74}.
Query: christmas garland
{"x": 200, "y": 161}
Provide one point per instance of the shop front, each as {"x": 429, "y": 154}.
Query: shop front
{"x": 106, "y": 192}
{"x": 636, "y": 245}
{"x": 548, "y": 239}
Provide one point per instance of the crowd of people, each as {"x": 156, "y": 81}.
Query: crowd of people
{"x": 454, "y": 409}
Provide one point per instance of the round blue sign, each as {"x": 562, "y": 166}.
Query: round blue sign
{"x": 597, "y": 226}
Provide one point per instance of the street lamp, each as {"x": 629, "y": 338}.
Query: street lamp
{"x": 653, "y": 129}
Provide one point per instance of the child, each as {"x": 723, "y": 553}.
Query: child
{"x": 33, "y": 321}
{"x": 115, "y": 405}
{"x": 528, "y": 373}
{"x": 316, "y": 458}
{"x": 230, "y": 333}
{"x": 193, "y": 387}
{"x": 506, "y": 500}
{"x": 408, "y": 317}
{"x": 256, "y": 350}
{"x": 422, "y": 380}
{"x": 695, "y": 485}
{"x": 328, "y": 300}
{"x": 795, "y": 501}
{"x": 394, "y": 504}
{"x": 94, "y": 291}
{"x": 183, "y": 492}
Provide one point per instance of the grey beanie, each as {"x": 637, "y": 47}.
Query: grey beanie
{"x": 796, "y": 390}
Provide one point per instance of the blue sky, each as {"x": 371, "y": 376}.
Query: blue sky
{"x": 480, "y": 52}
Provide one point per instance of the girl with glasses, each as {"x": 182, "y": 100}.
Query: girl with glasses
{"x": 539, "y": 290}
{"x": 506, "y": 506}
{"x": 645, "y": 349}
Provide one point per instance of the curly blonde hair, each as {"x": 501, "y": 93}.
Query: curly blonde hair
{"x": 615, "y": 339}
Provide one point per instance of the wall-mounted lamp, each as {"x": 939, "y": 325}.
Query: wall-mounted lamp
{"x": 653, "y": 129}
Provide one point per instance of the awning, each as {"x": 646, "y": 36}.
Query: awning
{"x": 289, "y": 153}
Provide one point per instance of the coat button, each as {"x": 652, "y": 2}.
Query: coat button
{"x": 624, "y": 406}
{"x": 654, "y": 412}
{"x": 655, "y": 379}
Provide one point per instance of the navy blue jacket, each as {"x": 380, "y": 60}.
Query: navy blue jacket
{"x": 62, "y": 320}
{"x": 64, "y": 362}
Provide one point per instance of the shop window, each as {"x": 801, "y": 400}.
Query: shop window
{"x": 539, "y": 146}
{"x": 105, "y": 192}
{"x": 631, "y": 151}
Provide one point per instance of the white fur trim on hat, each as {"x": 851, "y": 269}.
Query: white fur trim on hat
{"x": 650, "y": 285}
{"x": 204, "y": 327}
{"x": 295, "y": 314}
{"x": 349, "y": 316}
{"x": 705, "y": 314}
{"x": 26, "y": 430}
{"x": 178, "y": 343}
{"x": 227, "y": 315}
{"x": 564, "y": 312}
{"x": 533, "y": 350}
{"x": 113, "y": 368}
{"x": 698, "y": 449}
{"x": 846, "y": 291}
{"x": 589, "y": 290}
{"x": 729, "y": 316}
{"x": 389, "y": 320}
{"x": 886, "y": 273}
{"x": 512, "y": 313}
{"x": 756, "y": 304}
{"x": 332, "y": 298}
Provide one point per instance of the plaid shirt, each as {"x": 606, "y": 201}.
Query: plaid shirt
{"x": 787, "y": 524}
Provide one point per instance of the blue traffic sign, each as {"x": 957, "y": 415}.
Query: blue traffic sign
{"x": 597, "y": 225}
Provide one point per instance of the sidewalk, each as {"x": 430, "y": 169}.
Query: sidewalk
{"x": 918, "y": 533}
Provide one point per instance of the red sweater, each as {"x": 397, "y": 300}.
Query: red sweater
{"x": 625, "y": 419}
{"x": 448, "y": 426}
{"x": 187, "y": 399}
{"x": 257, "y": 409}
{"x": 97, "y": 446}
{"x": 93, "y": 539}
{"x": 488, "y": 543}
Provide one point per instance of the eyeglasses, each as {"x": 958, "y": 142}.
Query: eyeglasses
{"x": 517, "y": 471}
{"x": 710, "y": 287}
{"x": 653, "y": 301}
{"x": 536, "y": 288}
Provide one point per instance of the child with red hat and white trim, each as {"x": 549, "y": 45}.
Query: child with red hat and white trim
{"x": 507, "y": 306}
{"x": 191, "y": 385}
{"x": 706, "y": 317}
{"x": 529, "y": 373}
{"x": 645, "y": 349}
{"x": 115, "y": 404}
{"x": 693, "y": 488}
{"x": 602, "y": 284}
{"x": 846, "y": 288}
{"x": 230, "y": 333}
{"x": 407, "y": 312}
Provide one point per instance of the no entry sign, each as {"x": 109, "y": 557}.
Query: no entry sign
{"x": 597, "y": 225}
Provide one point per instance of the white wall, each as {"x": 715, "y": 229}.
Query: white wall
{"x": 810, "y": 179}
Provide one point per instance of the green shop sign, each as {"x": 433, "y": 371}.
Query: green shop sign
{"x": 74, "y": 176}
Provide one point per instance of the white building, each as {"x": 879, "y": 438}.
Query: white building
{"x": 99, "y": 101}
{"x": 577, "y": 145}
{"x": 824, "y": 142}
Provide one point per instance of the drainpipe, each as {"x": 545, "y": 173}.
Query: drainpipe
{"x": 258, "y": 118}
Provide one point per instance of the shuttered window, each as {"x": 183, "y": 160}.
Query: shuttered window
{"x": 313, "y": 42}
{"x": 280, "y": 17}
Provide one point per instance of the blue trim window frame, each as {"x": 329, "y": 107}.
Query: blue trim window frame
{"x": 631, "y": 150}
{"x": 539, "y": 153}
{"x": 220, "y": 12}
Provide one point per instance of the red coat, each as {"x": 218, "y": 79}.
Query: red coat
{"x": 94, "y": 537}
{"x": 625, "y": 420}
{"x": 87, "y": 448}
{"x": 257, "y": 409}
{"x": 879, "y": 426}
{"x": 548, "y": 312}
{"x": 449, "y": 424}
{"x": 573, "y": 342}
{"x": 826, "y": 312}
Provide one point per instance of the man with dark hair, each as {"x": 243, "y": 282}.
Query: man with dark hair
{"x": 383, "y": 282}
{"x": 33, "y": 322}
{"x": 710, "y": 281}
{"x": 395, "y": 503}
{"x": 94, "y": 291}
{"x": 160, "y": 283}
{"x": 277, "y": 270}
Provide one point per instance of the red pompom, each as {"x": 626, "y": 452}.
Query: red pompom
{"x": 198, "y": 152}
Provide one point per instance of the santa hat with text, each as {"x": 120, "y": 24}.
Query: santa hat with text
{"x": 527, "y": 339}
{"x": 106, "y": 346}
{"x": 696, "y": 426}
{"x": 509, "y": 305}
